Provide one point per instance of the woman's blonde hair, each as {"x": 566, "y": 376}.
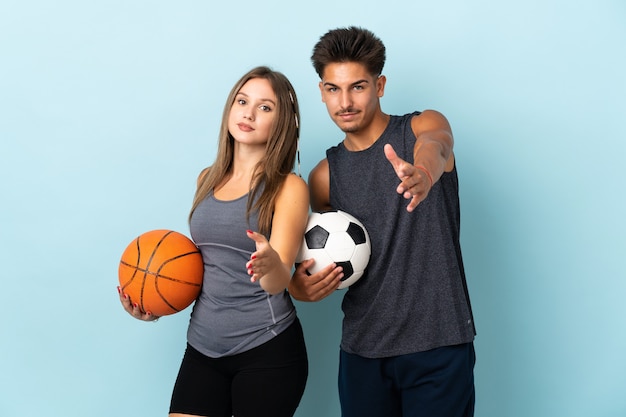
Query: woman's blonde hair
{"x": 280, "y": 151}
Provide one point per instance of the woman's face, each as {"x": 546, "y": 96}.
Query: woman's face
{"x": 252, "y": 113}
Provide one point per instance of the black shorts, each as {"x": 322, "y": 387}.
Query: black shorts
{"x": 436, "y": 383}
{"x": 268, "y": 380}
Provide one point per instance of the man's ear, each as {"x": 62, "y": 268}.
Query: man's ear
{"x": 380, "y": 85}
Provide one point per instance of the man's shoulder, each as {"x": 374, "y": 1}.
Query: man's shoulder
{"x": 409, "y": 115}
{"x": 320, "y": 167}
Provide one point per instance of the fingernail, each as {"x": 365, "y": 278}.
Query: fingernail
{"x": 253, "y": 257}
{"x": 135, "y": 305}
{"x": 119, "y": 290}
{"x": 249, "y": 231}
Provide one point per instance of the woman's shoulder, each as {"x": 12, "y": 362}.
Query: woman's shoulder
{"x": 294, "y": 183}
{"x": 203, "y": 174}
{"x": 293, "y": 188}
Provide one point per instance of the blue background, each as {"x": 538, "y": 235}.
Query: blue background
{"x": 109, "y": 110}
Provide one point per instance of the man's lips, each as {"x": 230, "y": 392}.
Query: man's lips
{"x": 347, "y": 115}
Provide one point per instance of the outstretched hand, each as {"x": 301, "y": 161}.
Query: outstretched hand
{"x": 265, "y": 260}
{"x": 415, "y": 183}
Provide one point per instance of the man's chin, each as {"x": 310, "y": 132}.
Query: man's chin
{"x": 348, "y": 128}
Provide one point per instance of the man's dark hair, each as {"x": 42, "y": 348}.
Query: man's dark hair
{"x": 351, "y": 44}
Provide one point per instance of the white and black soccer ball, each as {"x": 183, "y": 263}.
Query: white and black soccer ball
{"x": 336, "y": 236}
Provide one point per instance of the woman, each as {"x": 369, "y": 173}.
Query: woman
{"x": 245, "y": 351}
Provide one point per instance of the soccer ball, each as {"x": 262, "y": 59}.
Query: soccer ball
{"x": 336, "y": 236}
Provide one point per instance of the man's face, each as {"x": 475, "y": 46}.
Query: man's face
{"x": 351, "y": 95}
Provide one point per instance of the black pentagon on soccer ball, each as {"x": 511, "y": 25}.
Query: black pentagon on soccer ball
{"x": 347, "y": 269}
{"x": 316, "y": 237}
{"x": 357, "y": 233}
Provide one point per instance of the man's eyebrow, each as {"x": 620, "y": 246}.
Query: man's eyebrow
{"x": 329, "y": 84}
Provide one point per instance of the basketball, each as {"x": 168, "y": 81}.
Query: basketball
{"x": 161, "y": 271}
{"x": 336, "y": 236}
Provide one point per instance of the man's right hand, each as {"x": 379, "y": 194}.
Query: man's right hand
{"x": 315, "y": 287}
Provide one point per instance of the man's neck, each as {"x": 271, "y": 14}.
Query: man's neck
{"x": 364, "y": 138}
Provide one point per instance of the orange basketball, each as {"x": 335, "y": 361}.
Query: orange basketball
{"x": 162, "y": 271}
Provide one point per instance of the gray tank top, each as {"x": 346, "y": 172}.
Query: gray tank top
{"x": 413, "y": 296}
{"x": 232, "y": 314}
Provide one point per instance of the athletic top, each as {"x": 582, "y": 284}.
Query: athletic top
{"x": 413, "y": 296}
{"x": 232, "y": 314}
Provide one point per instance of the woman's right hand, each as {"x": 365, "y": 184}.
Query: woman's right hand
{"x": 133, "y": 308}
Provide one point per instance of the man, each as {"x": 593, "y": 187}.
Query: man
{"x": 407, "y": 338}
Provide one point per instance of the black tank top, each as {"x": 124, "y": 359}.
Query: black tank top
{"x": 413, "y": 296}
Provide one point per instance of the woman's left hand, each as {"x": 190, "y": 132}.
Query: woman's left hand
{"x": 264, "y": 260}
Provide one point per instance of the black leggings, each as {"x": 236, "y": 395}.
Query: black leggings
{"x": 267, "y": 381}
